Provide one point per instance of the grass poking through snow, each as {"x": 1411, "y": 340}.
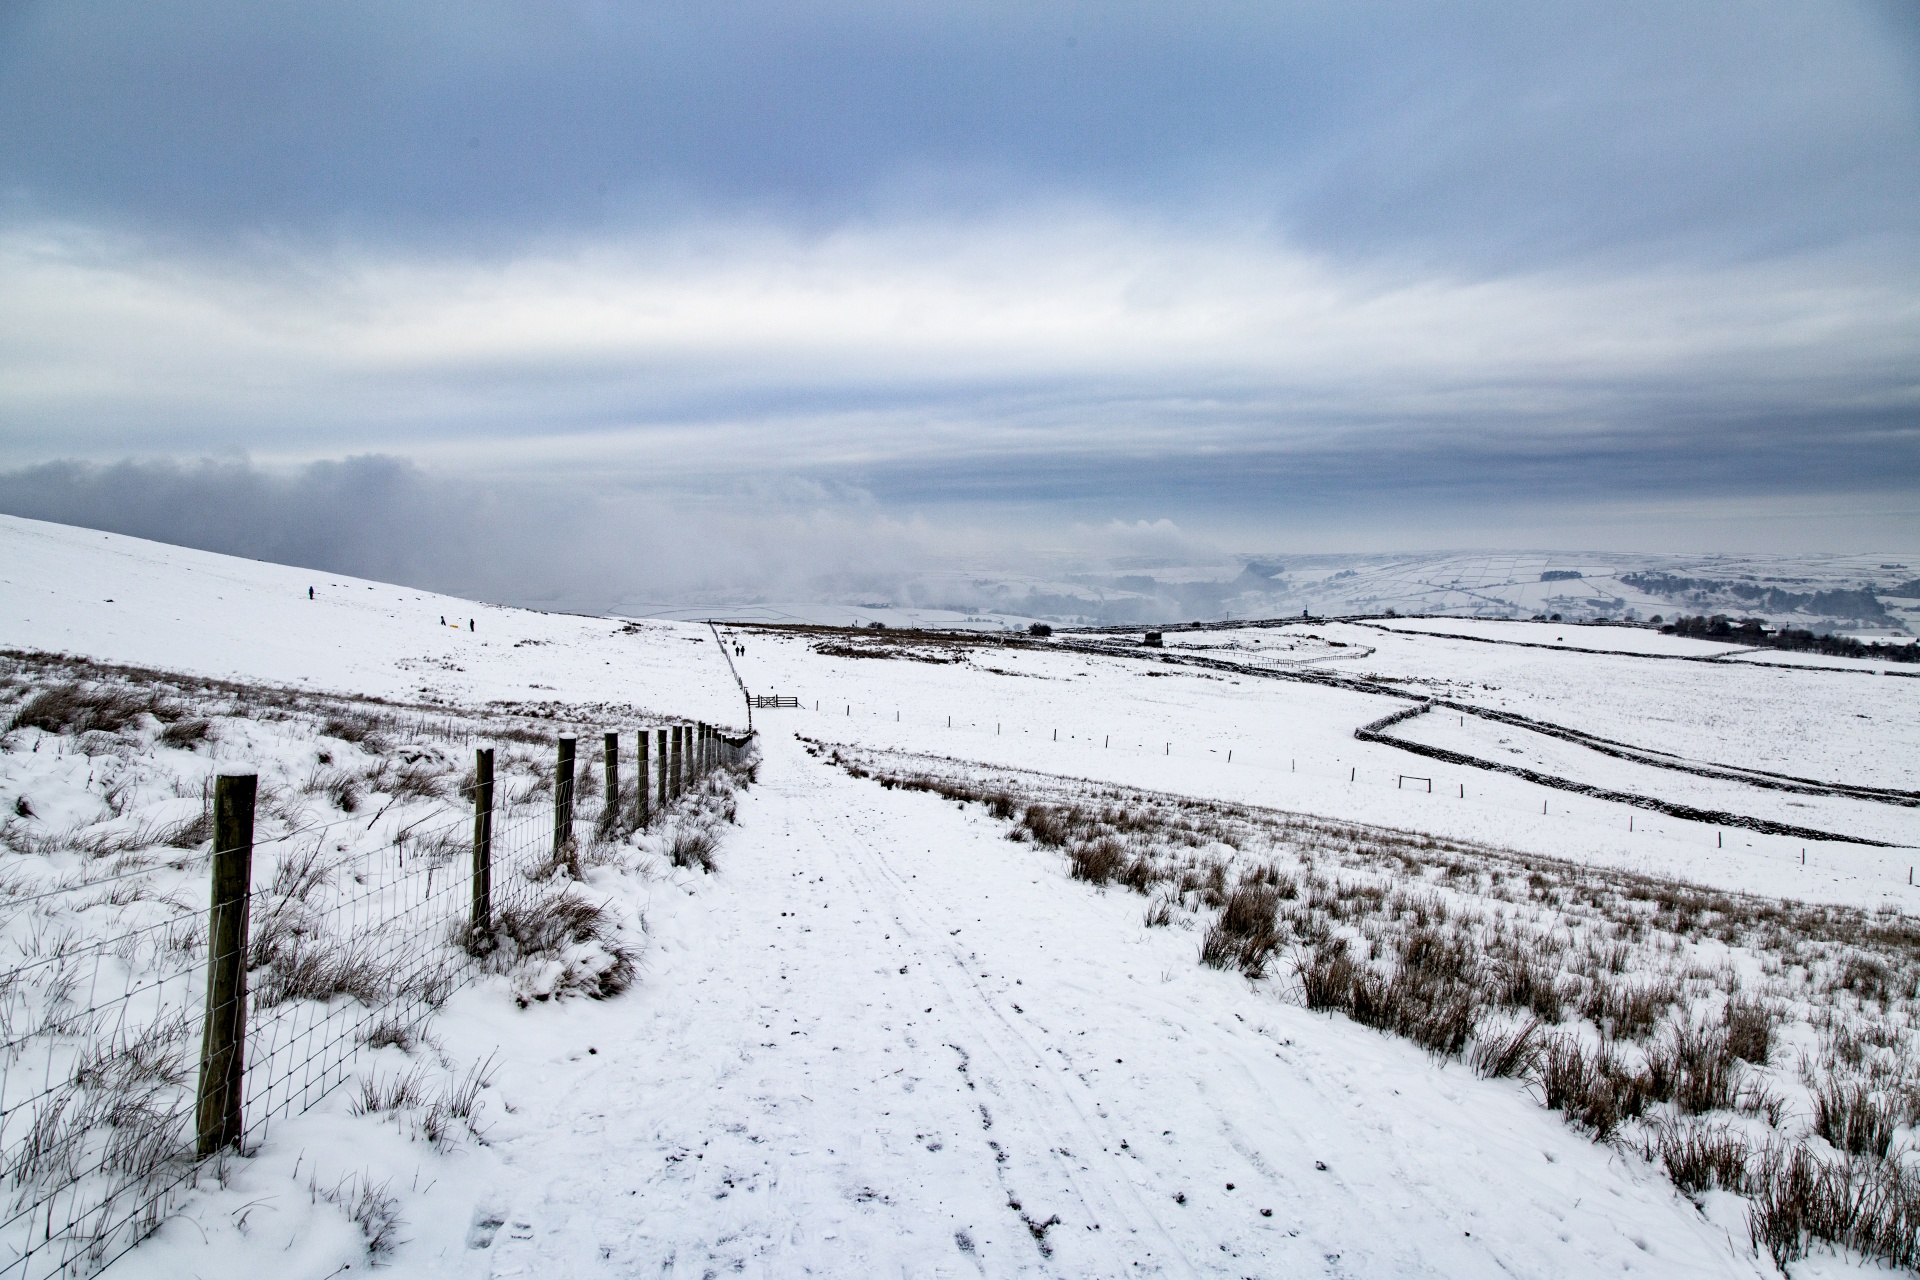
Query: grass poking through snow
{"x": 1742, "y": 1044}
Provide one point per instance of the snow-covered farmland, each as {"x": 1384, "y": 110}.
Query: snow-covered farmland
{"x": 885, "y": 1038}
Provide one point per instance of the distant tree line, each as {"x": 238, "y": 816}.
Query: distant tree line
{"x": 1832, "y": 604}
{"x": 1753, "y": 631}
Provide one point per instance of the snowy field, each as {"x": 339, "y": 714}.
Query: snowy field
{"x": 882, "y": 1038}
{"x": 1865, "y": 595}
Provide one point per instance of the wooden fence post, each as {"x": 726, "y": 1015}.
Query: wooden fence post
{"x": 679, "y": 760}
{"x": 220, "y": 1119}
{"x": 660, "y": 741}
{"x": 480, "y": 922}
{"x": 706, "y": 745}
{"x": 610, "y": 812}
{"x": 640, "y": 814}
{"x": 563, "y": 800}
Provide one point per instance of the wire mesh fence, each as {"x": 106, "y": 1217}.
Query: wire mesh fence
{"x": 126, "y": 1065}
{"x": 106, "y": 1050}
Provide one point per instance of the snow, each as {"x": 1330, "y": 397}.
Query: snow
{"x": 885, "y": 1024}
{"x": 1290, "y": 745}
{"x": 883, "y": 1039}
{"x": 1570, "y": 635}
{"x": 127, "y": 600}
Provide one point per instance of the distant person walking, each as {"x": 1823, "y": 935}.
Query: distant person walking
{"x": 469, "y": 624}
{"x": 309, "y": 593}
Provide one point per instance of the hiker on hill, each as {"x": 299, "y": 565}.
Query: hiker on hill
{"x": 309, "y": 593}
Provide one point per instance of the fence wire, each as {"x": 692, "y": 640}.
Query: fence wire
{"x": 101, "y": 1041}
{"x": 103, "y": 1045}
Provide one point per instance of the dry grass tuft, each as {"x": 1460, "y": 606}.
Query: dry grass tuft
{"x": 1097, "y": 861}
{"x": 188, "y": 833}
{"x": 308, "y": 968}
{"x": 1871, "y": 1207}
{"x": 369, "y": 1207}
{"x": 1699, "y": 1157}
{"x": 1497, "y": 1055}
{"x": 76, "y": 708}
{"x": 185, "y": 734}
{"x": 561, "y": 927}
{"x": 1854, "y": 1118}
{"x": 693, "y": 847}
{"x": 1749, "y": 1030}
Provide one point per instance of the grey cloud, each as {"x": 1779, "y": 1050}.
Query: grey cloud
{"x": 1471, "y": 133}
{"x": 880, "y": 281}
{"x": 570, "y": 545}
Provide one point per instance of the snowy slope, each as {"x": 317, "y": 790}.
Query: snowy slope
{"x": 127, "y": 600}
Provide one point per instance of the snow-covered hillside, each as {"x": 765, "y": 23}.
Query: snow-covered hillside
{"x": 882, "y": 1037}
{"x": 1119, "y": 712}
{"x": 127, "y": 600}
{"x": 1865, "y": 595}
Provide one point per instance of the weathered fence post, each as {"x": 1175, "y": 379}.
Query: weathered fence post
{"x": 660, "y": 741}
{"x": 679, "y": 760}
{"x": 563, "y": 800}
{"x": 481, "y": 921}
{"x": 610, "y": 813}
{"x": 220, "y": 1120}
{"x": 640, "y": 814}
{"x": 706, "y": 745}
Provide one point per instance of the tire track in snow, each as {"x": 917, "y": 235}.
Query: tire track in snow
{"x": 1392, "y": 1202}
{"x": 1105, "y": 1203}
{"x": 1076, "y": 1120}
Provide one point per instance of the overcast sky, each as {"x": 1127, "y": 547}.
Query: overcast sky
{"x": 1618, "y": 275}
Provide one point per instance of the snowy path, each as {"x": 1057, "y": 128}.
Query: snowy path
{"x": 883, "y": 1026}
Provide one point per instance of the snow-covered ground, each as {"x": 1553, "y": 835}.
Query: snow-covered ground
{"x": 67, "y": 590}
{"x": 884, "y": 1039}
{"x": 1871, "y": 596}
{"x": 1286, "y": 743}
